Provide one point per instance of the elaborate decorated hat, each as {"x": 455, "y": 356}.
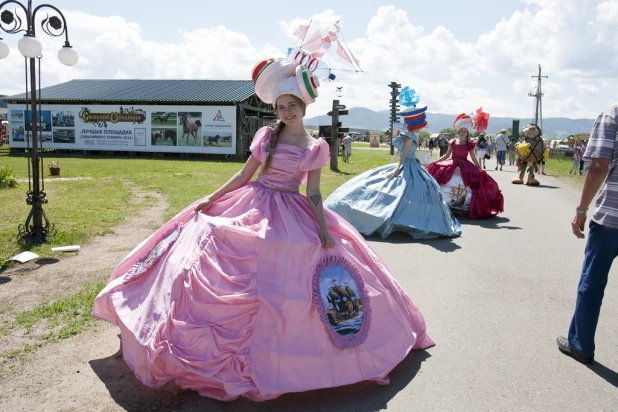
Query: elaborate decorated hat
{"x": 463, "y": 120}
{"x": 414, "y": 117}
{"x": 276, "y": 77}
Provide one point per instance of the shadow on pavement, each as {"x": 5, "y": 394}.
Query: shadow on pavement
{"x": 443, "y": 244}
{"x": 604, "y": 372}
{"x": 130, "y": 394}
{"x": 46, "y": 261}
{"x": 496, "y": 222}
{"x": 4, "y": 279}
{"x": 542, "y": 186}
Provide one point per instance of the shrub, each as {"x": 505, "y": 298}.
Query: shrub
{"x": 7, "y": 180}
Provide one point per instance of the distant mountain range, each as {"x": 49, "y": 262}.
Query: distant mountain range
{"x": 361, "y": 119}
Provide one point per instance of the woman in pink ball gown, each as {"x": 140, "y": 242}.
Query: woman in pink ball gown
{"x": 257, "y": 290}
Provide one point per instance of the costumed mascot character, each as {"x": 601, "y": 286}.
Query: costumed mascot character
{"x": 531, "y": 152}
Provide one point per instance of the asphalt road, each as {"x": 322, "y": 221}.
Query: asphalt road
{"x": 494, "y": 301}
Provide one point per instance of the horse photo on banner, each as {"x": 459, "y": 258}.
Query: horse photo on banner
{"x": 190, "y": 129}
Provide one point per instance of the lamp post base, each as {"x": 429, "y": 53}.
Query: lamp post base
{"x": 39, "y": 232}
{"x": 35, "y": 236}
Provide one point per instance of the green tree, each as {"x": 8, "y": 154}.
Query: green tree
{"x": 424, "y": 134}
{"x": 449, "y": 130}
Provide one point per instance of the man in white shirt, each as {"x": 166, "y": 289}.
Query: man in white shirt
{"x": 347, "y": 148}
{"x": 502, "y": 143}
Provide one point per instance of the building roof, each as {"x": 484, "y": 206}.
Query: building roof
{"x": 145, "y": 91}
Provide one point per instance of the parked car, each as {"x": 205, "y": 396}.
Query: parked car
{"x": 563, "y": 147}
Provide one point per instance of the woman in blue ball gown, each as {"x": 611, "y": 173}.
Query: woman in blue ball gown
{"x": 401, "y": 198}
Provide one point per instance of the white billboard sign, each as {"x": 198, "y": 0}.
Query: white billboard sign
{"x": 138, "y": 128}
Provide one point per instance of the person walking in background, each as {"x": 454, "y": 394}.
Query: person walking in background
{"x": 502, "y": 144}
{"x": 512, "y": 153}
{"x": 442, "y": 144}
{"x": 481, "y": 150}
{"x": 491, "y": 146}
{"x": 347, "y": 148}
{"x": 602, "y": 245}
{"x": 582, "y": 161}
{"x": 577, "y": 156}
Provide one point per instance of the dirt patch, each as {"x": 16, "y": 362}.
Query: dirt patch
{"x": 23, "y": 286}
{"x": 46, "y": 279}
{"x": 59, "y": 179}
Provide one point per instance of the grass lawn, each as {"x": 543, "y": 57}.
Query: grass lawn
{"x": 80, "y": 209}
{"x": 560, "y": 167}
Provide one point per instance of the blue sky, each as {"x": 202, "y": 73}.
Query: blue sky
{"x": 456, "y": 59}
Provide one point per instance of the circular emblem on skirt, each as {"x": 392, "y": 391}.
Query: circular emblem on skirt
{"x": 342, "y": 301}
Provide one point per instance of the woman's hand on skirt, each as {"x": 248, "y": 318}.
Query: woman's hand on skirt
{"x": 205, "y": 204}
{"x": 326, "y": 239}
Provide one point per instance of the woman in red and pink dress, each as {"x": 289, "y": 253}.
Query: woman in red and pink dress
{"x": 466, "y": 187}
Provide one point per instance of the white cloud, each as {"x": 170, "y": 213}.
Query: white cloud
{"x": 573, "y": 40}
{"x": 588, "y": 89}
{"x": 607, "y": 11}
{"x": 551, "y": 90}
{"x": 112, "y": 47}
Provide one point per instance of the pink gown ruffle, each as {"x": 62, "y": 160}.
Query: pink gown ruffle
{"x": 222, "y": 302}
{"x": 486, "y": 198}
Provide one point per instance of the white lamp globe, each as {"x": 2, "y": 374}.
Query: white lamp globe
{"x": 68, "y": 56}
{"x": 29, "y": 46}
{"x": 4, "y": 49}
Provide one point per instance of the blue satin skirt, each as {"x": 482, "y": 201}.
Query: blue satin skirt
{"x": 410, "y": 202}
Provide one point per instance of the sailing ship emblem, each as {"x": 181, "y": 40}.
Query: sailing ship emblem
{"x": 340, "y": 296}
{"x": 343, "y": 306}
{"x": 458, "y": 196}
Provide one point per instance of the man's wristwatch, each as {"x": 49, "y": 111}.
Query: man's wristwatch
{"x": 580, "y": 211}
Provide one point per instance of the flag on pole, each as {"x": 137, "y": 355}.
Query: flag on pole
{"x": 314, "y": 43}
{"x": 342, "y": 53}
{"x": 301, "y": 31}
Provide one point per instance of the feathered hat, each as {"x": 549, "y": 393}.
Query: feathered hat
{"x": 276, "y": 77}
{"x": 463, "y": 120}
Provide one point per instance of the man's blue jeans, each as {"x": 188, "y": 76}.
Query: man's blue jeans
{"x": 601, "y": 249}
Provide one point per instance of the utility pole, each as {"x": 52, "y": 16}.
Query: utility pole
{"x": 394, "y": 109}
{"x": 538, "y": 111}
{"x": 336, "y": 132}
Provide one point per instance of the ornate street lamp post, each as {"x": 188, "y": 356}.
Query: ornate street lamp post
{"x": 37, "y": 227}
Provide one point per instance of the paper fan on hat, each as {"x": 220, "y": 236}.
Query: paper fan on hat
{"x": 315, "y": 41}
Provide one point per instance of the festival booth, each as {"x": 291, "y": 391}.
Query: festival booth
{"x": 156, "y": 116}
